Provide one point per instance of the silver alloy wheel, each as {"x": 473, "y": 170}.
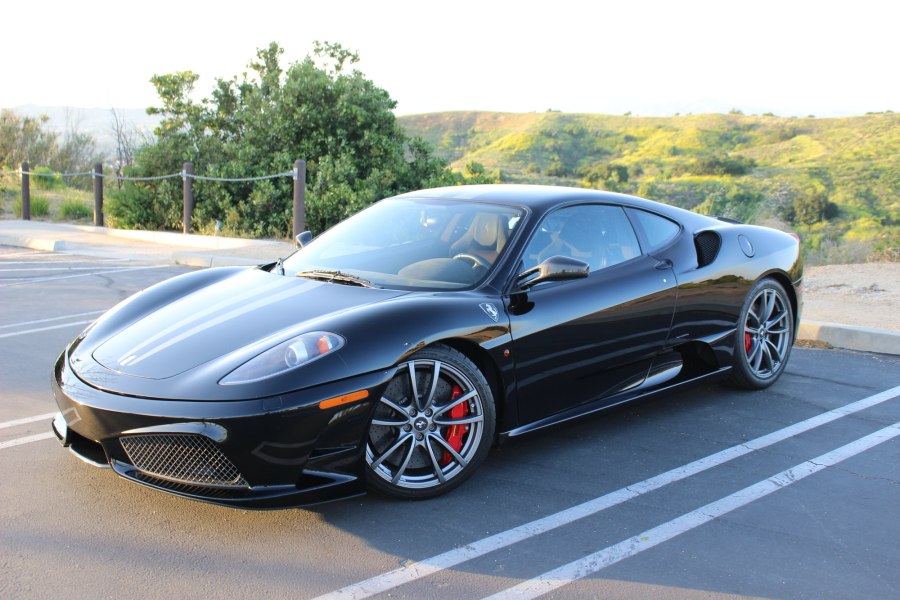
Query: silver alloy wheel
{"x": 411, "y": 440}
{"x": 767, "y": 333}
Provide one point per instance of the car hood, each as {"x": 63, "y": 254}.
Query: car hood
{"x": 227, "y": 316}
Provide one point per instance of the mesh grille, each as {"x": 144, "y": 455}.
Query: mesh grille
{"x": 707, "y": 243}
{"x": 183, "y": 457}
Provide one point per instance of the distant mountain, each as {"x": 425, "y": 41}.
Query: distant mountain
{"x": 837, "y": 181}
{"x": 95, "y": 121}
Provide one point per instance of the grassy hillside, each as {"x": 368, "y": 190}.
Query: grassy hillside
{"x": 834, "y": 181}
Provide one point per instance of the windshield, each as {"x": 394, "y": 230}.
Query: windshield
{"x": 412, "y": 244}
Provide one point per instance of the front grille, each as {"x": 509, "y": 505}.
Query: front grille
{"x": 182, "y": 457}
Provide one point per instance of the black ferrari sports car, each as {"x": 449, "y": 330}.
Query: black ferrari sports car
{"x": 394, "y": 349}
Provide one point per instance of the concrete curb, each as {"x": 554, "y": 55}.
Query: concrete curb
{"x": 201, "y": 259}
{"x": 171, "y": 238}
{"x": 44, "y": 244}
{"x": 851, "y": 337}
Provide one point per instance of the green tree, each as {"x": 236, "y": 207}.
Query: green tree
{"x": 25, "y": 138}
{"x": 321, "y": 109}
{"x": 812, "y": 205}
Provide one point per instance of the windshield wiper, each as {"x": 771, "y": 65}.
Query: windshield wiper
{"x": 336, "y": 277}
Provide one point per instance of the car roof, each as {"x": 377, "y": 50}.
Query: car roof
{"x": 542, "y": 198}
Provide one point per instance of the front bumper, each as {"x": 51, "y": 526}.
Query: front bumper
{"x": 265, "y": 453}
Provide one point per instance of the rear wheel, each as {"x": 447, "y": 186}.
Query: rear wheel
{"x": 432, "y": 427}
{"x": 764, "y": 336}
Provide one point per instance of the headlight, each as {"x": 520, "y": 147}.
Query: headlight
{"x": 288, "y": 355}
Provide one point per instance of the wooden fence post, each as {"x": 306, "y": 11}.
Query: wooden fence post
{"x": 97, "y": 176}
{"x": 26, "y": 192}
{"x": 188, "y": 189}
{"x": 299, "y": 197}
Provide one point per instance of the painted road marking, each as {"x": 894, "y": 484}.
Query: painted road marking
{"x": 26, "y": 281}
{"x": 26, "y": 440}
{"x": 34, "y": 254}
{"x": 44, "y": 260}
{"x": 429, "y": 566}
{"x": 26, "y": 420}
{"x": 36, "y": 321}
{"x": 27, "y": 269}
{"x": 48, "y": 328}
{"x": 592, "y": 563}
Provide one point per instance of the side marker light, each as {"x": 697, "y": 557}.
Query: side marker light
{"x": 345, "y": 399}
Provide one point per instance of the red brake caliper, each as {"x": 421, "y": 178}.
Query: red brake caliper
{"x": 748, "y": 342}
{"x": 455, "y": 433}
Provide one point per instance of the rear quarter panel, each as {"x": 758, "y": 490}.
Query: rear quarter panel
{"x": 710, "y": 297}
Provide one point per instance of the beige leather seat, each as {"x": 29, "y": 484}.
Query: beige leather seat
{"x": 485, "y": 237}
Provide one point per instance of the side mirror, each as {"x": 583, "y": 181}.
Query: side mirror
{"x": 303, "y": 238}
{"x": 555, "y": 268}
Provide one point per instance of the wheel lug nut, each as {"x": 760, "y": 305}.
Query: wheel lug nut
{"x": 413, "y": 412}
{"x": 433, "y": 427}
{"x": 420, "y": 437}
{"x": 407, "y": 428}
{"x": 428, "y": 413}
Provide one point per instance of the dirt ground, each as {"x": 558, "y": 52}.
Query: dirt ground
{"x": 866, "y": 294}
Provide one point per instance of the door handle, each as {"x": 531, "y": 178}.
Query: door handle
{"x": 664, "y": 264}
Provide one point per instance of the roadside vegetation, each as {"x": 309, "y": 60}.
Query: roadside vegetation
{"x": 320, "y": 109}
{"x": 836, "y": 182}
{"x": 24, "y": 138}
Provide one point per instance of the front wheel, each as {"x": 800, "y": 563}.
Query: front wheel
{"x": 432, "y": 427}
{"x": 764, "y": 336}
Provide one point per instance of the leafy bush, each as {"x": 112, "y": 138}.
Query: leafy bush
{"x": 40, "y": 207}
{"x": 715, "y": 165}
{"x": 45, "y": 179}
{"x": 72, "y": 209}
{"x": 812, "y": 206}
{"x": 317, "y": 109}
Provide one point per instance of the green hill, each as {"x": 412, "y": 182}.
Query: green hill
{"x": 834, "y": 181}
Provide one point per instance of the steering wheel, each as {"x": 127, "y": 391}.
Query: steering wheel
{"x": 477, "y": 261}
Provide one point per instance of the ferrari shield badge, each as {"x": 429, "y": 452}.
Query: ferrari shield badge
{"x": 490, "y": 310}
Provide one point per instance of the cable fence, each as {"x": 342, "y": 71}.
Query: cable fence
{"x": 181, "y": 174}
{"x": 187, "y": 175}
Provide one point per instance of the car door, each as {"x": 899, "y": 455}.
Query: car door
{"x": 581, "y": 340}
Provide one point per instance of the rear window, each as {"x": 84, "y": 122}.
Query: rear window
{"x": 658, "y": 230}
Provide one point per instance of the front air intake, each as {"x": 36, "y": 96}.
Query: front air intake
{"x": 182, "y": 457}
{"x": 707, "y": 244}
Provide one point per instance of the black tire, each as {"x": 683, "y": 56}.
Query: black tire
{"x": 426, "y": 447}
{"x": 764, "y": 336}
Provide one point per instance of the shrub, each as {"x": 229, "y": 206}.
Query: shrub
{"x": 45, "y": 179}
{"x": 40, "y": 207}
{"x": 72, "y": 209}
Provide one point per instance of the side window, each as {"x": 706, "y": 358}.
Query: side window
{"x": 598, "y": 234}
{"x": 659, "y": 231}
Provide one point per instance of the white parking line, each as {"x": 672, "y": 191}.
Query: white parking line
{"x": 32, "y": 254}
{"x": 36, "y": 321}
{"x": 429, "y": 566}
{"x": 26, "y": 440}
{"x": 26, "y": 420}
{"x": 28, "y": 269}
{"x": 601, "y": 559}
{"x": 44, "y": 261}
{"x": 48, "y": 328}
{"x": 26, "y": 281}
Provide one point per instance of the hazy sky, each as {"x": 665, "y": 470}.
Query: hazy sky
{"x": 789, "y": 57}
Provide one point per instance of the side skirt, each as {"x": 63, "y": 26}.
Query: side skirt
{"x": 609, "y": 402}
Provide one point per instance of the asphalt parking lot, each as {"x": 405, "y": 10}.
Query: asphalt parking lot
{"x": 789, "y": 493}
